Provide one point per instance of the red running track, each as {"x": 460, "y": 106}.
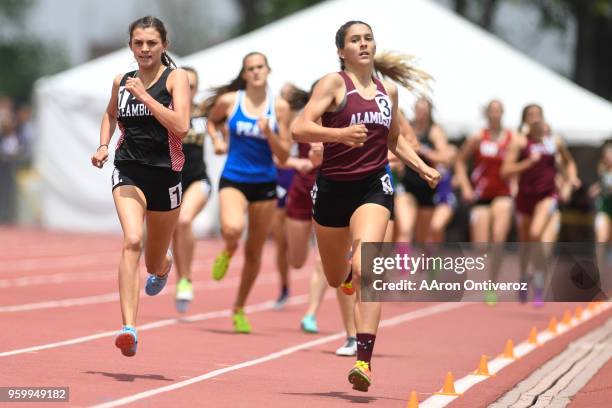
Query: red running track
{"x": 59, "y": 313}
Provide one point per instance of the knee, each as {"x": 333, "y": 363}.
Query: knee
{"x": 252, "y": 255}
{"x": 296, "y": 261}
{"x": 132, "y": 242}
{"x": 183, "y": 224}
{"x": 231, "y": 231}
{"x": 534, "y": 236}
{"x": 334, "y": 282}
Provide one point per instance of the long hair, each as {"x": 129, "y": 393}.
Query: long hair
{"x": 400, "y": 68}
{"x": 158, "y": 25}
{"x": 234, "y": 85}
{"x": 298, "y": 98}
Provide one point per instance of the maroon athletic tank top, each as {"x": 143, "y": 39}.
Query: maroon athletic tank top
{"x": 343, "y": 163}
{"x": 540, "y": 177}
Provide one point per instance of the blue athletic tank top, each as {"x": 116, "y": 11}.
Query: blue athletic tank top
{"x": 249, "y": 159}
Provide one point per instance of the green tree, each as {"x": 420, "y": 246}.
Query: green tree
{"x": 256, "y": 13}
{"x": 593, "y": 18}
{"x": 24, "y": 59}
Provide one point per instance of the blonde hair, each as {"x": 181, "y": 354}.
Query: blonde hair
{"x": 400, "y": 68}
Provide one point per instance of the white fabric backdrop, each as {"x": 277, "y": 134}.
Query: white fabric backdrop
{"x": 469, "y": 65}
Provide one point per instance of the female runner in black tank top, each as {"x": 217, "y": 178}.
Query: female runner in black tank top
{"x": 151, "y": 106}
{"x": 196, "y": 190}
{"x": 353, "y": 194}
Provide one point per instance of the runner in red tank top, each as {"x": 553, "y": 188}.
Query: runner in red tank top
{"x": 533, "y": 156}
{"x": 486, "y": 189}
{"x": 353, "y": 195}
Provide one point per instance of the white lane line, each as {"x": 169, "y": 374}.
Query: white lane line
{"x": 65, "y": 261}
{"x": 295, "y": 300}
{"x": 114, "y": 296}
{"x": 97, "y": 273}
{"x": 102, "y": 274}
{"x": 497, "y": 364}
{"x": 394, "y": 321}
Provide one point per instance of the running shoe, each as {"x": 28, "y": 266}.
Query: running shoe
{"x": 491, "y": 297}
{"x": 127, "y": 341}
{"x": 349, "y": 348}
{"x": 220, "y": 265}
{"x": 347, "y": 285}
{"x": 360, "y": 376}
{"x": 309, "y": 324}
{"x": 184, "y": 294}
{"x": 241, "y": 324}
{"x": 155, "y": 283}
{"x": 282, "y": 299}
{"x": 538, "y": 297}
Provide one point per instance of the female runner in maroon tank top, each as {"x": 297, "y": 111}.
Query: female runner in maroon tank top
{"x": 486, "y": 189}
{"x": 533, "y": 156}
{"x": 353, "y": 196}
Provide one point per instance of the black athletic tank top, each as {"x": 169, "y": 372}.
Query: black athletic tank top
{"x": 193, "y": 147}
{"x": 143, "y": 139}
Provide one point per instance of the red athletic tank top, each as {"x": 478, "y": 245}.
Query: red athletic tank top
{"x": 486, "y": 176}
{"x": 539, "y": 179}
{"x": 341, "y": 162}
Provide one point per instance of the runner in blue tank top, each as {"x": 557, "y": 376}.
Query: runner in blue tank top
{"x": 353, "y": 195}
{"x": 151, "y": 107}
{"x": 257, "y": 124}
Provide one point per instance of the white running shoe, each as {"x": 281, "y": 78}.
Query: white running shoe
{"x": 349, "y": 348}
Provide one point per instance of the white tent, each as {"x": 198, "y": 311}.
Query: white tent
{"x": 68, "y": 111}
{"x": 469, "y": 66}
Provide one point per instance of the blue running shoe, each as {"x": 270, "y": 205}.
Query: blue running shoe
{"x": 309, "y": 324}
{"x": 127, "y": 341}
{"x": 155, "y": 283}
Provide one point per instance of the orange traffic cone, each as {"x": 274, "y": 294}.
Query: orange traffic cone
{"x": 449, "y": 386}
{"x": 509, "y": 349}
{"x": 552, "y": 325}
{"x": 413, "y": 401}
{"x": 567, "y": 318}
{"x": 483, "y": 367}
{"x": 578, "y": 313}
{"x": 533, "y": 336}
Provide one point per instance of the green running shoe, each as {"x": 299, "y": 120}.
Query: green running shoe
{"x": 184, "y": 294}
{"x": 220, "y": 265}
{"x": 241, "y": 324}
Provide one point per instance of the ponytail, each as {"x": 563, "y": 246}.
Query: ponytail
{"x": 235, "y": 85}
{"x": 167, "y": 61}
{"x": 297, "y": 99}
{"x": 400, "y": 68}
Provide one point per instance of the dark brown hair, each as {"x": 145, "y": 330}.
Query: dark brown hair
{"x": 158, "y": 25}
{"x": 524, "y": 113}
{"x": 399, "y": 68}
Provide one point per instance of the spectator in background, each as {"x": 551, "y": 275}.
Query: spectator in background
{"x": 25, "y": 134}
{"x": 9, "y": 153}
